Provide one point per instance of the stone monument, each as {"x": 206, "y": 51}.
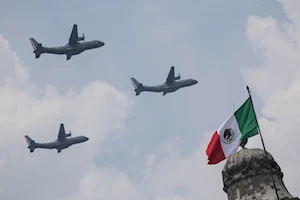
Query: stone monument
{"x": 247, "y": 176}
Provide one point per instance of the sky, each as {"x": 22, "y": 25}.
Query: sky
{"x": 148, "y": 146}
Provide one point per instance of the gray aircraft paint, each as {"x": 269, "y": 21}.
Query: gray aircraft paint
{"x": 171, "y": 85}
{"x": 62, "y": 141}
{"x": 74, "y": 47}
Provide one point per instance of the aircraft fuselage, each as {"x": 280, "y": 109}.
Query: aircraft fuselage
{"x": 172, "y": 84}
{"x": 73, "y": 49}
{"x": 59, "y": 145}
{"x": 168, "y": 88}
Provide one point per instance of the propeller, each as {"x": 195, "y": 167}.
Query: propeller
{"x": 68, "y": 134}
{"x": 178, "y": 77}
{"x": 83, "y": 36}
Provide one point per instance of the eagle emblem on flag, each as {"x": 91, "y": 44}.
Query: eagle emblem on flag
{"x": 229, "y": 135}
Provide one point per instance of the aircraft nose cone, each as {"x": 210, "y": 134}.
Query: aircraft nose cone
{"x": 86, "y": 138}
{"x": 101, "y": 44}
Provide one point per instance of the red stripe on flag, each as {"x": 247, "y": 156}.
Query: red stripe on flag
{"x": 214, "y": 150}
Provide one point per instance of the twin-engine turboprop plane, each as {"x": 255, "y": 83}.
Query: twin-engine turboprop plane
{"x": 74, "y": 47}
{"x": 62, "y": 141}
{"x": 171, "y": 85}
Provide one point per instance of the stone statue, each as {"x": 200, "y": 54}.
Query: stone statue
{"x": 244, "y": 142}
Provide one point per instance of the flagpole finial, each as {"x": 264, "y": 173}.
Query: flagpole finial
{"x": 248, "y": 89}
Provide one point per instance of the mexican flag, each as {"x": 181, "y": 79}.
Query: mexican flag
{"x": 226, "y": 140}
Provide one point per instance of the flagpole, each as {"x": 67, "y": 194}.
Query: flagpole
{"x": 269, "y": 165}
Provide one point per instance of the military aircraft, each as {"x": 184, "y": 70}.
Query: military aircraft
{"x": 171, "y": 85}
{"x": 74, "y": 47}
{"x": 62, "y": 141}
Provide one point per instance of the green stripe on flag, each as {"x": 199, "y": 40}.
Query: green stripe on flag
{"x": 246, "y": 119}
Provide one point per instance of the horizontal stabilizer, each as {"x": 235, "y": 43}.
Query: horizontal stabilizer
{"x": 138, "y": 86}
{"x": 135, "y": 83}
{"x": 37, "y": 47}
{"x": 35, "y": 44}
{"x": 30, "y": 142}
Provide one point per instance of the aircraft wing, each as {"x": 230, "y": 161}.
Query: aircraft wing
{"x": 171, "y": 76}
{"x": 62, "y": 133}
{"x": 74, "y": 35}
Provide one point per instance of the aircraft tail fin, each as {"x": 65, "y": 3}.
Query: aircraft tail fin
{"x": 138, "y": 86}
{"x": 37, "y": 47}
{"x": 31, "y": 143}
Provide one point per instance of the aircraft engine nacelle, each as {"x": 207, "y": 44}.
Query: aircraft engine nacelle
{"x": 68, "y": 134}
{"x": 177, "y": 77}
{"x": 81, "y": 38}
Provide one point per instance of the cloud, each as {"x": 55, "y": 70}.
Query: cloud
{"x": 108, "y": 183}
{"x": 291, "y": 7}
{"x": 277, "y": 82}
{"x": 177, "y": 176}
{"x": 96, "y": 110}
{"x": 168, "y": 175}
{"x": 273, "y": 42}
